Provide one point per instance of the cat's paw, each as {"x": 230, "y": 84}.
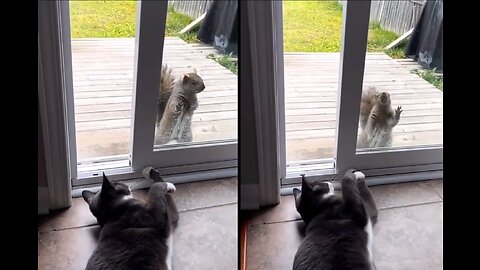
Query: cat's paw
{"x": 359, "y": 175}
{"x": 349, "y": 171}
{"x": 170, "y": 187}
{"x": 146, "y": 171}
{"x": 354, "y": 175}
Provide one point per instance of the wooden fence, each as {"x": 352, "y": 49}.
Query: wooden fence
{"x": 193, "y": 9}
{"x": 397, "y": 16}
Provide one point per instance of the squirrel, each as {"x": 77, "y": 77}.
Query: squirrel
{"x": 377, "y": 119}
{"x": 174, "y": 120}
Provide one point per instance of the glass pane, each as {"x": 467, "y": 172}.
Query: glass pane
{"x": 402, "y": 99}
{"x": 312, "y": 32}
{"x": 198, "y": 92}
{"x": 103, "y": 40}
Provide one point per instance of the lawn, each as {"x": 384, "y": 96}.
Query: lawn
{"x": 108, "y": 19}
{"x": 316, "y": 26}
{"x": 312, "y": 26}
{"x": 431, "y": 77}
{"x": 309, "y": 26}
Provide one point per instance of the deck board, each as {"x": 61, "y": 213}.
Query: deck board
{"x": 311, "y": 83}
{"x": 103, "y": 81}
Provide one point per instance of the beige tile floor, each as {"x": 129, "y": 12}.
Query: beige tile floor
{"x": 408, "y": 235}
{"x": 208, "y": 222}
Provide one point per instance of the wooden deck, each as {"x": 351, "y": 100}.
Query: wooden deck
{"x": 103, "y": 81}
{"x": 311, "y": 82}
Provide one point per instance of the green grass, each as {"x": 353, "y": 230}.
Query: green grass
{"x": 109, "y": 19}
{"x": 378, "y": 38}
{"x": 99, "y": 19}
{"x": 176, "y": 22}
{"x": 225, "y": 61}
{"x": 431, "y": 77}
{"x": 316, "y": 26}
{"x": 312, "y": 26}
{"x": 397, "y": 52}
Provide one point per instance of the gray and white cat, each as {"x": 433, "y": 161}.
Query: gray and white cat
{"x": 338, "y": 229}
{"x": 134, "y": 234}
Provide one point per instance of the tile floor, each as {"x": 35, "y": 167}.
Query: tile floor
{"x": 208, "y": 222}
{"x": 408, "y": 235}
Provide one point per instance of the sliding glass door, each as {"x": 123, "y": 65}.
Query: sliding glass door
{"x": 322, "y": 110}
{"x": 213, "y": 124}
{"x": 120, "y": 100}
{"x": 414, "y": 116}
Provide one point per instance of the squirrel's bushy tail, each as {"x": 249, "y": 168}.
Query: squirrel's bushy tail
{"x": 166, "y": 79}
{"x": 366, "y": 104}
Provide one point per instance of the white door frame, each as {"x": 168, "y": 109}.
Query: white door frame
{"x": 148, "y": 62}
{"x": 418, "y": 163}
{"x": 54, "y": 91}
{"x": 356, "y": 16}
{"x": 200, "y": 161}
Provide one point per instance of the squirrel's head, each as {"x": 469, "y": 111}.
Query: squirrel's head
{"x": 384, "y": 98}
{"x": 194, "y": 82}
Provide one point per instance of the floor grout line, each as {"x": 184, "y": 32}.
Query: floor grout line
{"x": 274, "y": 222}
{"x": 69, "y": 228}
{"x": 409, "y": 205}
{"x": 96, "y": 224}
{"x": 435, "y": 190}
{"x": 207, "y": 207}
{"x": 432, "y": 187}
{"x": 379, "y": 209}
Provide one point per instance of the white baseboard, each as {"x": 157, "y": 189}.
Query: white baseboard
{"x": 382, "y": 180}
{"x": 43, "y": 199}
{"x": 139, "y": 183}
{"x": 250, "y": 197}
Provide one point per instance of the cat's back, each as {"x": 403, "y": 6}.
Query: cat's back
{"x": 135, "y": 240}
{"x": 333, "y": 245}
{"x": 144, "y": 253}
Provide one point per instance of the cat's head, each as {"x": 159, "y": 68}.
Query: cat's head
{"x": 102, "y": 201}
{"x": 311, "y": 201}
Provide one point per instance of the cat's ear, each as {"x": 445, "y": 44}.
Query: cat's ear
{"x": 305, "y": 186}
{"x": 106, "y": 185}
{"x": 87, "y": 196}
{"x": 296, "y": 195}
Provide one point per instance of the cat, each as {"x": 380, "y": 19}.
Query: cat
{"x": 338, "y": 229}
{"x": 134, "y": 234}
